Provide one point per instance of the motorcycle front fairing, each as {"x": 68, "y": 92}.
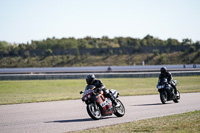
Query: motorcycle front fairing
{"x": 114, "y": 93}
{"x": 160, "y": 87}
{"x": 163, "y": 85}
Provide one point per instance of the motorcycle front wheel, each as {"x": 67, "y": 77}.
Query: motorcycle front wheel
{"x": 163, "y": 97}
{"x": 119, "y": 111}
{"x": 94, "y": 112}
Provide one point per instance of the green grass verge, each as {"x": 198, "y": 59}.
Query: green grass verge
{"x": 26, "y": 91}
{"x": 181, "y": 123}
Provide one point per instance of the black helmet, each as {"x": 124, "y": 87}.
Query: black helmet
{"x": 163, "y": 70}
{"x": 90, "y": 78}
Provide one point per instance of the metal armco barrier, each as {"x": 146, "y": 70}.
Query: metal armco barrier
{"x": 98, "y": 75}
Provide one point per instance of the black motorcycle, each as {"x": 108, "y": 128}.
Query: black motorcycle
{"x": 167, "y": 91}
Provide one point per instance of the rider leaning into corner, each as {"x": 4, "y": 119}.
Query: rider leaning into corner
{"x": 165, "y": 74}
{"x": 91, "y": 80}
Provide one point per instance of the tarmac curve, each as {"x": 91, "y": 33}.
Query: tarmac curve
{"x": 71, "y": 115}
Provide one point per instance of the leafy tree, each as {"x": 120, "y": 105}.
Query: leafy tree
{"x": 105, "y": 38}
{"x": 4, "y": 45}
{"x": 111, "y": 52}
{"x": 187, "y": 41}
{"x": 192, "y": 49}
{"x": 172, "y": 42}
{"x": 150, "y": 40}
{"x": 22, "y": 46}
{"x": 49, "y": 52}
{"x": 82, "y": 43}
{"x": 155, "y": 52}
{"x": 143, "y": 42}
{"x": 121, "y": 41}
{"x": 26, "y": 54}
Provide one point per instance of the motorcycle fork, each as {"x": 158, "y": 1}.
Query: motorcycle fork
{"x": 95, "y": 105}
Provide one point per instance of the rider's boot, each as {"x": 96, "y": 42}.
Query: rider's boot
{"x": 175, "y": 90}
{"x": 114, "y": 101}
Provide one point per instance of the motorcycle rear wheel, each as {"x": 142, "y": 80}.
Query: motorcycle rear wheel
{"x": 163, "y": 97}
{"x": 119, "y": 111}
{"x": 94, "y": 114}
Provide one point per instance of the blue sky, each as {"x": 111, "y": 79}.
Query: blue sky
{"x": 24, "y": 20}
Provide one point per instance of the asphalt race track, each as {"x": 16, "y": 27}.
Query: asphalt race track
{"x": 64, "y": 116}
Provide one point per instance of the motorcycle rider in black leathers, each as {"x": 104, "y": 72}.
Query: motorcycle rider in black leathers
{"x": 91, "y": 80}
{"x": 165, "y": 74}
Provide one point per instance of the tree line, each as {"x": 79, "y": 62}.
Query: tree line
{"x": 88, "y": 42}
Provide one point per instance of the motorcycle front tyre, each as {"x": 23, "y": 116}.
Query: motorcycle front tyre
{"x": 163, "y": 96}
{"x": 119, "y": 111}
{"x": 94, "y": 114}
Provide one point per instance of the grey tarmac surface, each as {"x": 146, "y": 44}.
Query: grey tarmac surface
{"x": 71, "y": 115}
